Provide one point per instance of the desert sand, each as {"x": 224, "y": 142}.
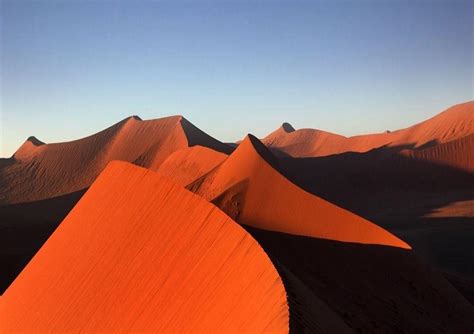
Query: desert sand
{"x": 371, "y": 233}
{"x": 140, "y": 253}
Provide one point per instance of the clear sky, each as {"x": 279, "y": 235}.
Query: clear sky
{"x": 72, "y": 68}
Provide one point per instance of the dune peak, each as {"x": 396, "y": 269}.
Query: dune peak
{"x": 287, "y": 127}
{"x": 257, "y": 146}
{"x": 35, "y": 141}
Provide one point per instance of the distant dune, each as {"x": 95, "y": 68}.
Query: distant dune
{"x": 38, "y": 171}
{"x": 452, "y": 124}
{"x": 141, "y": 254}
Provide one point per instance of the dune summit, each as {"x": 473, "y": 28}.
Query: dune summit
{"x": 38, "y": 171}
{"x": 141, "y": 254}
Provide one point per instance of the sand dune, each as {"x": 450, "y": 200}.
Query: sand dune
{"x": 250, "y": 190}
{"x": 452, "y": 124}
{"x": 139, "y": 253}
{"x": 38, "y": 171}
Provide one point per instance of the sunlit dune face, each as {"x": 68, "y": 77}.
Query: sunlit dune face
{"x": 139, "y": 253}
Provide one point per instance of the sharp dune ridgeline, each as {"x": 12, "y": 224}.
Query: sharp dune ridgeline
{"x": 156, "y": 226}
{"x": 251, "y": 191}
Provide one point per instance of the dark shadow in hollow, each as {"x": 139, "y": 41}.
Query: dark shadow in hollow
{"x": 25, "y": 227}
{"x": 372, "y": 288}
{"x": 398, "y": 193}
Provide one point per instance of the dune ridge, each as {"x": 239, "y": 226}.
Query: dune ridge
{"x": 250, "y": 190}
{"x": 140, "y": 253}
{"x": 39, "y": 171}
{"x": 454, "y": 123}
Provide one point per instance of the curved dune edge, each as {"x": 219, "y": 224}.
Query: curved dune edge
{"x": 56, "y": 169}
{"x": 249, "y": 189}
{"x": 139, "y": 253}
{"x": 454, "y": 123}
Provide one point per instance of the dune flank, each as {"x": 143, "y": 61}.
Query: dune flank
{"x": 139, "y": 253}
{"x": 188, "y": 164}
{"x": 451, "y": 124}
{"x": 250, "y": 190}
{"x": 39, "y": 171}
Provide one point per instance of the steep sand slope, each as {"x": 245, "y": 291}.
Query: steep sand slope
{"x": 453, "y": 123}
{"x": 187, "y": 165}
{"x": 38, "y": 171}
{"x": 251, "y": 191}
{"x": 139, "y": 253}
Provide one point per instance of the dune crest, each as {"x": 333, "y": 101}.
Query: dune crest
{"x": 138, "y": 253}
{"x": 454, "y": 123}
{"x": 28, "y": 148}
{"x": 50, "y": 170}
{"x": 248, "y": 188}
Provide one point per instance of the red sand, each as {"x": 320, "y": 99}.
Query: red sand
{"x": 139, "y": 253}
{"x": 453, "y": 123}
{"x": 252, "y": 192}
{"x": 187, "y": 165}
{"x": 38, "y": 171}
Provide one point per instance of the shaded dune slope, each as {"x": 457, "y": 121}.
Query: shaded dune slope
{"x": 370, "y": 288}
{"x": 139, "y": 253}
{"x": 250, "y": 190}
{"x": 451, "y": 124}
{"x": 38, "y": 171}
{"x": 427, "y": 199}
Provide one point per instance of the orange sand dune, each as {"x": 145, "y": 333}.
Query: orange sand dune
{"x": 251, "y": 191}
{"x": 188, "y": 164}
{"x": 38, "y": 171}
{"x": 141, "y": 254}
{"x": 453, "y": 123}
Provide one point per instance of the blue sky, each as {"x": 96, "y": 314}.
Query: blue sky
{"x": 72, "y": 68}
